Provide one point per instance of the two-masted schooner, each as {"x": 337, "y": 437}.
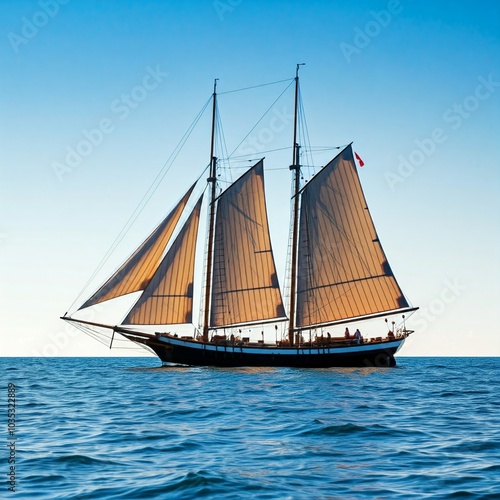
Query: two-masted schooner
{"x": 338, "y": 275}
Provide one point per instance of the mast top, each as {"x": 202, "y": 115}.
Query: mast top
{"x": 297, "y": 69}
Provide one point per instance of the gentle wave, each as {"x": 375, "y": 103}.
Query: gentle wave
{"x": 122, "y": 428}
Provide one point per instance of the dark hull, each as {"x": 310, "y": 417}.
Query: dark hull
{"x": 170, "y": 350}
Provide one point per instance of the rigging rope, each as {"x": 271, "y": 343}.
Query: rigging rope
{"x": 261, "y": 152}
{"x": 104, "y": 339}
{"x": 256, "y": 86}
{"x": 147, "y": 196}
{"x": 223, "y": 162}
{"x": 262, "y": 117}
{"x": 166, "y": 167}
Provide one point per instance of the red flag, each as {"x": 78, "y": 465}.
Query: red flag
{"x": 361, "y": 162}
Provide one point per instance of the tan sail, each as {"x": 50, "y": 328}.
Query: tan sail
{"x": 245, "y": 285}
{"x": 168, "y": 299}
{"x": 342, "y": 269}
{"x": 138, "y": 269}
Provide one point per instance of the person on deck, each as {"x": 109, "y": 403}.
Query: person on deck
{"x": 347, "y": 334}
{"x": 358, "y": 336}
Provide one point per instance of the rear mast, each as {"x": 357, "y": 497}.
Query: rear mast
{"x": 212, "y": 180}
{"x": 295, "y": 214}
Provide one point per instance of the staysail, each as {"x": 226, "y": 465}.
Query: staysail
{"x": 245, "y": 285}
{"x": 342, "y": 269}
{"x": 137, "y": 271}
{"x": 168, "y": 298}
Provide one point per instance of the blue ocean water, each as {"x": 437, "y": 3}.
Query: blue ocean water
{"x": 88, "y": 428}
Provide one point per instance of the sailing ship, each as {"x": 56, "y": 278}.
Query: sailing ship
{"x": 338, "y": 275}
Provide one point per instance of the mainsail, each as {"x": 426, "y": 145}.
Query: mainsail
{"x": 245, "y": 285}
{"x": 342, "y": 269}
{"x": 168, "y": 298}
{"x": 137, "y": 271}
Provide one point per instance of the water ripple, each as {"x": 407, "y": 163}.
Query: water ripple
{"x": 124, "y": 428}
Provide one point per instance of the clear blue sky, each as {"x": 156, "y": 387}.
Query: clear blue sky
{"x": 415, "y": 85}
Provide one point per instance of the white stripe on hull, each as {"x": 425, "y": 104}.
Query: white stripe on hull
{"x": 283, "y": 351}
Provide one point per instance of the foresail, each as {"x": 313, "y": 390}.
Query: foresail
{"x": 245, "y": 285}
{"x": 168, "y": 299}
{"x": 136, "y": 272}
{"x": 342, "y": 269}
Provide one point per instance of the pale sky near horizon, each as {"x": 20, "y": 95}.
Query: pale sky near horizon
{"x": 415, "y": 85}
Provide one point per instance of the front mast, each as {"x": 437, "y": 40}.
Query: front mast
{"x": 212, "y": 179}
{"x": 296, "y": 168}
